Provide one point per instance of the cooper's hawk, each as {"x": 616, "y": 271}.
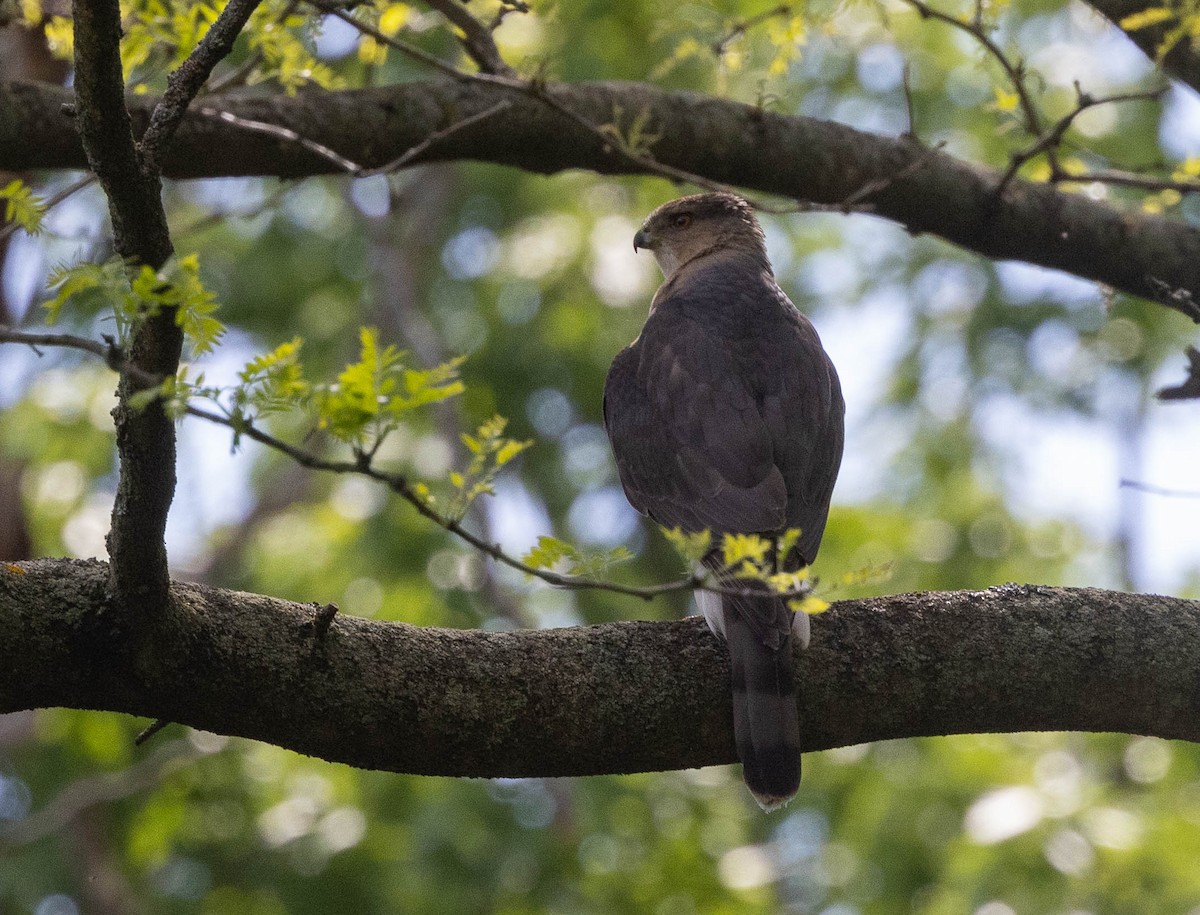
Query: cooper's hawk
{"x": 726, "y": 414}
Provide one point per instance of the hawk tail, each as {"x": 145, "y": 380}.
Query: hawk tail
{"x": 766, "y": 724}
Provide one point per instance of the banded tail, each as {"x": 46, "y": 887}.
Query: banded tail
{"x": 766, "y": 724}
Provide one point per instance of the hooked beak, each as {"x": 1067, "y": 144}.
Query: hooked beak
{"x": 643, "y": 239}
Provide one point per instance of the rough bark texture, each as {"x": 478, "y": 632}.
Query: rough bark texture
{"x": 145, "y": 438}
{"x": 801, "y": 158}
{"x": 130, "y": 177}
{"x": 622, "y": 697}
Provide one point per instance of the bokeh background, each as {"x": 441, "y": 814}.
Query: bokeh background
{"x": 994, "y": 410}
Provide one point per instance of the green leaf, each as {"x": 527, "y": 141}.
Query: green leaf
{"x": 594, "y": 564}
{"x": 744, "y": 547}
{"x": 490, "y": 451}
{"x": 196, "y": 305}
{"x": 89, "y": 288}
{"x": 274, "y": 382}
{"x": 549, "y": 552}
{"x": 810, "y": 605}
{"x": 691, "y": 546}
{"x": 22, "y": 207}
{"x": 788, "y": 582}
{"x": 372, "y": 395}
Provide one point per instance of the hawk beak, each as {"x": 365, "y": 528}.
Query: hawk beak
{"x": 642, "y": 239}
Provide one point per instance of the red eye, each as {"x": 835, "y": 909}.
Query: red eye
{"x": 682, "y": 221}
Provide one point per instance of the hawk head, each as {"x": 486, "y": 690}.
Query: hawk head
{"x": 682, "y": 230}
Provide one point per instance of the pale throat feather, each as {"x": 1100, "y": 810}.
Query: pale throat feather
{"x": 668, "y": 260}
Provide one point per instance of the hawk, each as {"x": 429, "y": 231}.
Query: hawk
{"x": 726, "y": 414}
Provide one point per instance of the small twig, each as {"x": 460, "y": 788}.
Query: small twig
{"x": 69, "y": 341}
{"x": 150, "y": 730}
{"x": 421, "y": 148}
{"x": 507, "y": 7}
{"x": 1160, "y": 490}
{"x": 409, "y": 50}
{"x": 532, "y": 89}
{"x": 238, "y": 75}
{"x": 320, "y": 623}
{"x": 52, "y": 201}
{"x": 1127, "y": 179}
{"x": 906, "y": 82}
{"x": 476, "y": 38}
{"x": 1014, "y": 71}
{"x": 282, "y": 133}
{"x": 397, "y": 483}
{"x": 1189, "y": 388}
{"x": 742, "y": 26}
{"x": 353, "y": 168}
{"x": 1052, "y": 137}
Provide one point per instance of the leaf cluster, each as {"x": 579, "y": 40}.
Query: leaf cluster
{"x": 134, "y": 294}
{"x": 22, "y": 207}
{"x": 558, "y": 555}
{"x": 490, "y": 451}
{"x": 372, "y": 395}
{"x": 750, "y": 558}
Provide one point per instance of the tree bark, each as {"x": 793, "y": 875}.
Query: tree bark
{"x": 800, "y": 158}
{"x": 623, "y": 697}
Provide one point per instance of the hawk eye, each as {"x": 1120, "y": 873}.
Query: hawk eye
{"x": 682, "y": 221}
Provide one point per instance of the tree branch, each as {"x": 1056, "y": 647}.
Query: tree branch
{"x": 1181, "y": 62}
{"x": 476, "y": 37}
{"x": 193, "y": 73}
{"x": 244, "y": 427}
{"x": 623, "y": 697}
{"x": 129, "y": 175}
{"x": 798, "y": 158}
{"x": 146, "y": 438}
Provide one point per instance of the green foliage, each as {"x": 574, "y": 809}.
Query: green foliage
{"x": 552, "y": 553}
{"x": 132, "y": 296}
{"x": 751, "y": 557}
{"x": 490, "y": 451}
{"x": 160, "y": 34}
{"x": 743, "y": 552}
{"x": 179, "y": 286}
{"x": 372, "y": 396}
{"x": 286, "y": 58}
{"x": 691, "y": 546}
{"x": 273, "y": 382}
{"x": 87, "y": 288}
{"x": 242, "y": 827}
{"x": 22, "y": 207}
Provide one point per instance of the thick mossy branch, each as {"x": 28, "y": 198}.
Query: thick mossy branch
{"x": 622, "y": 697}
{"x": 801, "y": 158}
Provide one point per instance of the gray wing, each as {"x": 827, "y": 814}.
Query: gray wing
{"x": 692, "y": 448}
{"x": 804, "y": 412}
{"x": 728, "y": 417}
